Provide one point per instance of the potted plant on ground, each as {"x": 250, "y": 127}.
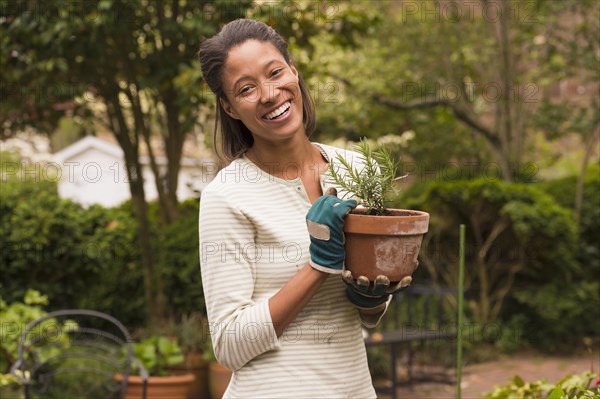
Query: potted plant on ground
{"x": 158, "y": 354}
{"x": 379, "y": 240}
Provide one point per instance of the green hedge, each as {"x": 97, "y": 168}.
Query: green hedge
{"x": 580, "y": 299}
{"x": 88, "y": 258}
{"x": 553, "y": 299}
{"x": 179, "y": 262}
{"x": 563, "y": 191}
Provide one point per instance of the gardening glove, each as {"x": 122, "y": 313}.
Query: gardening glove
{"x": 365, "y": 294}
{"x": 325, "y": 222}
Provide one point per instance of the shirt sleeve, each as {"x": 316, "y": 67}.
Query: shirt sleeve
{"x": 240, "y": 328}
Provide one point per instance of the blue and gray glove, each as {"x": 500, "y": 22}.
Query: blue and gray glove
{"x": 365, "y": 294}
{"x": 325, "y": 222}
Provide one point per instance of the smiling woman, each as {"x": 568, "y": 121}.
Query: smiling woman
{"x": 269, "y": 239}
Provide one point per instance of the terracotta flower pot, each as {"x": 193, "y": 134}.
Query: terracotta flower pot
{"x": 218, "y": 379}
{"x": 171, "y": 387}
{"x": 386, "y": 245}
{"x": 196, "y": 365}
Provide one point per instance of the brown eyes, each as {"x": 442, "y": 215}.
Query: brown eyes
{"x": 248, "y": 88}
{"x": 276, "y": 72}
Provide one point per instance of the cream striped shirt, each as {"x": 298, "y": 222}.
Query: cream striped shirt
{"x": 253, "y": 239}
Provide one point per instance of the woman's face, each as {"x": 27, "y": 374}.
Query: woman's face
{"x": 262, "y": 91}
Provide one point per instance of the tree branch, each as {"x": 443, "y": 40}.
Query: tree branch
{"x": 457, "y": 111}
{"x": 460, "y": 114}
{"x": 501, "y": 293}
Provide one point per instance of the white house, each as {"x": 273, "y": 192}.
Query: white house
{"x": 92, "y": 171}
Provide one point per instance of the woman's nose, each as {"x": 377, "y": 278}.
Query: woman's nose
{"x": 269, "y": 92}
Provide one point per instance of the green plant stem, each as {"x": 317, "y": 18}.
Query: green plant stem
{"x": 461, "y": 283}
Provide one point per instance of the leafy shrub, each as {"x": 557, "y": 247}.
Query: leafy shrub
{"x": 15, "y": 317}
{"x": 576, "y": 386}
{"x": 81, "y": 258}
{"x": 89, "y": 258}
{"x": 118, "y": 289}
{"x": 520, "y": 257}
{"x": 43, "y": 243}
{"x": 580, "y": 301}
{"x": 563, "y": 191}
{"x": 180, "y": 262}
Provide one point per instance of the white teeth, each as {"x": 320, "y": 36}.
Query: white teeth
{"x": 278, "y": 111}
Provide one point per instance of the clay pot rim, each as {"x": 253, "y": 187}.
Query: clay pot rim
{"x": 169, "y": 379}
{"x": 417, "y": 223}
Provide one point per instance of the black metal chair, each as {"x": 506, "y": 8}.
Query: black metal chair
{"x": 418, "y": 315}
{"x": 76, "y": 354}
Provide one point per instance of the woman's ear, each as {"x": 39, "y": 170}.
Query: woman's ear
{"x": 228, "y": 108}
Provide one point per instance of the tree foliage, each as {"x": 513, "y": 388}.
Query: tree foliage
{"x": 470, "y": 82}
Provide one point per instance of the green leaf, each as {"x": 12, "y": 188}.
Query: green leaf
{"x": 163, "y": 344}
{"x": 33, "y": 297}
{"x": 518, "y": 381}
{"x": 557, "y": 393}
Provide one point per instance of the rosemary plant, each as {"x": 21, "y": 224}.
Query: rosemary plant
{"x": 373, "y": 183}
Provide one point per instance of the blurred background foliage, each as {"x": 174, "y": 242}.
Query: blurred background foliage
{"x": 88, "y": 258}
{"x": 495, "y": 120}
{"x": 530, "y": 269}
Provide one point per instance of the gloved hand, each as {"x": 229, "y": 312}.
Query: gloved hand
{"x": 325, "y": 222}
{"x": 366, "y": 295}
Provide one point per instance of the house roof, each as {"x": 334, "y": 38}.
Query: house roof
{"x": 86, "y": 143}
{"x": 106, "y": 145}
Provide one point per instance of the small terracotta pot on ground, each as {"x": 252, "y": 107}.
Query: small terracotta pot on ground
{"x": 218, "y": 379}
{"x": 196, "y": 365}
{"x": 171, "y": 387}
{"x": 384, "y": 245}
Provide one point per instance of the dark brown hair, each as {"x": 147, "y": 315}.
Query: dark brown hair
{"x": 236, "y": 138}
